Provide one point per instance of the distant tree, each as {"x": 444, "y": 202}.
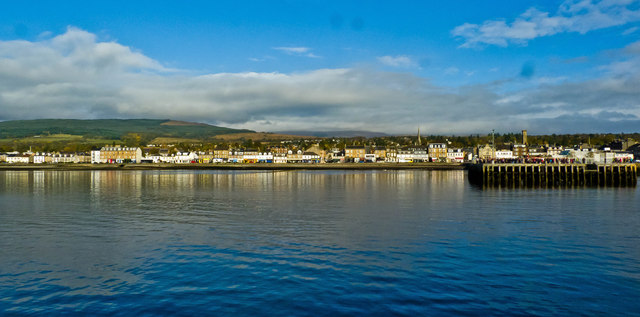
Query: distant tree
{"x": 132, "y": 139}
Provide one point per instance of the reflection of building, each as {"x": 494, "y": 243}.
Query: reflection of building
{"x": 117, "y": 154}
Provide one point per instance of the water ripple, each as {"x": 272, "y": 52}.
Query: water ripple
{"x": 311, "y": 244}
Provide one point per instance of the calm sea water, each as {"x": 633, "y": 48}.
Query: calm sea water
{"x": 312, "y": 243}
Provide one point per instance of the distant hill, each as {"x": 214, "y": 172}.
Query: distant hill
{"x": 112, "y": 128}
{"x": 338, "y": 134}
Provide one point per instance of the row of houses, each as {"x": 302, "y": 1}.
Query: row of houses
{"x": 432, "y": 152}
{"x": 234, "y": 156}
{"x": 42, "y": 158}
{"x": 581, "y": 153}
{"x": 113, "y": 154}
{"x": 118, "y": 154}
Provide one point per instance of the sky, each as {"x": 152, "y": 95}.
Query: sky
{"x": 447, "y": 67}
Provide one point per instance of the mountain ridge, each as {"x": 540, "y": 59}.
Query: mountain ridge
{"x": 112, "y": 128}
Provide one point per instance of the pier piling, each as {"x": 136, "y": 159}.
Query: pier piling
{"x": 553, "y": 175}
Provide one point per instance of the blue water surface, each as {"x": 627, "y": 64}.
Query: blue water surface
{"x": 312, "y": 243}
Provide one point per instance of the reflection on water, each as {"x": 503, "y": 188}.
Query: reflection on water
{"x": 311, "y": 242}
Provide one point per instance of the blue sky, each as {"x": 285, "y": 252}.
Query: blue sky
{"x": 450, "y": 67}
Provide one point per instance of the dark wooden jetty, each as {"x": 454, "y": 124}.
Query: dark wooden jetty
{"x": 553, "y": 175}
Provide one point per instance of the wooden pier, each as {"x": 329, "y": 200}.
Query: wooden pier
{"x": 553, "y": 175}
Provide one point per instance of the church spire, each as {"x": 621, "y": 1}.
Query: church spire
{"x": 419, "y": 141}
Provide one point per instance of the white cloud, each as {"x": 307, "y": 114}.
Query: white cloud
{"x": 579, "y": 16}
{"x": 398, "y": 61}
{"x": 630, "y": 30}
{"x": 297, "y": 51}
{"x": 293, "y": 50}
{"x": 451, "y": 70}
{"x": 73, "y": 75}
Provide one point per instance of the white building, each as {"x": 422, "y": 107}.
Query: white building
{"x": 17, "y": 159}
{"x": 280, "y": 158}
{"x": 504, "y": 154}
{"x": 95, "y": 157}
{"x": 455, "y": 155}
{"x": 370, "y": 157}
{"x": 623, "y": 156}
{"x": 405, "y": 156}
{"x": 62, "y": 158}
{"x": 310, "y": 157}
{"x": 39, "y": 158}
{"x": 185, "y": 157}
{"x": 262, "y": 157}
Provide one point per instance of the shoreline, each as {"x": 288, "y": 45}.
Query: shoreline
{"x": 234, "y": 166}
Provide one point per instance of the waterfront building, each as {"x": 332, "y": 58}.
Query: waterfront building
{"x": 17, "y": 159}
{"x": 553, "y": 151}
{"x": 310, "y": 157}
{"x": 118, "y": 154}
{"x": 486, "y": 152}
{"x": 336, "y": 156}
{"x": 623, "y": 156}
{"x": 236, "y": 156}
{"x": 520, "y": 150}
{"x": 95, "y": 157}
{"x": 404, "y": 155}
{"x": 380, "y": 153}
{"x": 251, "y": 156}
{"x": 455, "y": 155}
{"x": 205, "y": 157}
{"x": 62, "y": 158}
{"x": 279, "y": 158}
{"x": 536, "y": 152}
{"x": 81, "y": 158}
{"x": 355, "y": 153}
{"x": 504, "y": 154}
{"x": 38, "y": 158}
{"x": 438, "y": 151}
{"x": 294, "y": 156}
{"x": 391, "y": 155}
{"x": 370, "y": 157}
{"x": 420, "y": 154}
{"x": 185, "y": 157}
{"x": 221, "y": 155}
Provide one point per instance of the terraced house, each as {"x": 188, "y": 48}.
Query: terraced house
{"x": 118, "y": 154}
{"x": 438, "y": 152}
{"x": 355, "y": 153}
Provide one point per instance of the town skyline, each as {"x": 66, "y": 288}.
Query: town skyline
{"x": 449, "y": 68}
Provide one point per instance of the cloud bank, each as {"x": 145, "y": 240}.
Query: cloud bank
{"x": 73, "y": 75}
{"x": 579, "y": 16}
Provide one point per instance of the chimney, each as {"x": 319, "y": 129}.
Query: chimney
{"x": 524, "y": 137}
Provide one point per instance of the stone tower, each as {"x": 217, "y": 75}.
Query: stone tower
{"x": 524, "y": 137}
